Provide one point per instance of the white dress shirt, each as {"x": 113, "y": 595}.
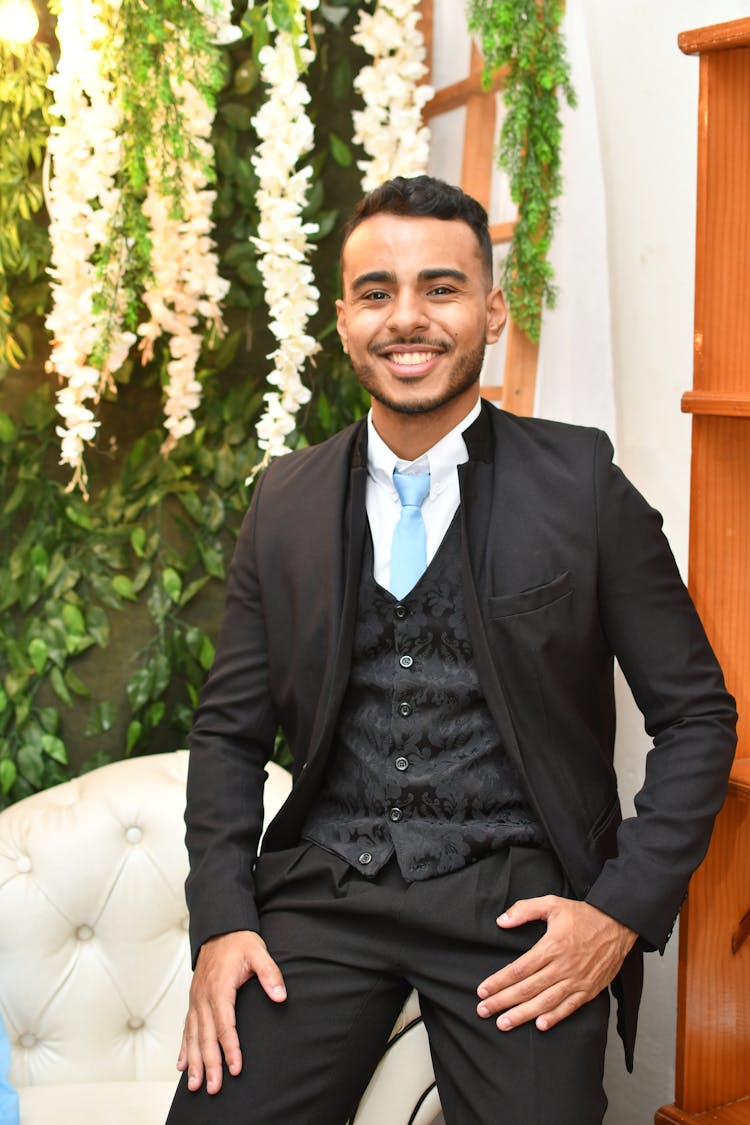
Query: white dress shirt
{"x": 382, "y": 500}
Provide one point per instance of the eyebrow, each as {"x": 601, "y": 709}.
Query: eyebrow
{"x": 386, "y": 277}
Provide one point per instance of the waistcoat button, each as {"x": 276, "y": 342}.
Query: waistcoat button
{"x": 365, "y": 858}
{"x": 400, "y": 612}
{"x": 405, "y": 709}
{"x": 395, "y": 815}
{"x": 406, "y": 661}
{"x": 402, "y": 763}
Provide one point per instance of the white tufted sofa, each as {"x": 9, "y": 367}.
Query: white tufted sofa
{"x": 94, "y": 959}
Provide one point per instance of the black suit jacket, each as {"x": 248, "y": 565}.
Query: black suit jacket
{"x": 564, "y": 567}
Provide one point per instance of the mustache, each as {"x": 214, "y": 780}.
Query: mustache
{"x": 408, "y": 342}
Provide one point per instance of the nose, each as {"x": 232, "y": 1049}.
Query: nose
{"x": 408, "y": 313}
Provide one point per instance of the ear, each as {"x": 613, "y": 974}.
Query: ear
{"x": 497, "y": 314}
{"x": 341, "y": 326}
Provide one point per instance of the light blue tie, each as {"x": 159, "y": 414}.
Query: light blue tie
{"x": 409, "y": 547}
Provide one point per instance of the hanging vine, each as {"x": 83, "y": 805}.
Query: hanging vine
{"x": 524, "y": 36}
{"x": 24, "y": 243}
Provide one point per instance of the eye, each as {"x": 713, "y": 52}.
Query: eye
{"x": 442, "y": 291}
{"x": 375, "y": 295}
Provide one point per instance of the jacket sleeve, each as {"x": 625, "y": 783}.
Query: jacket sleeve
{"x": 660, "y": 644}
{"x": 231, "y": 741}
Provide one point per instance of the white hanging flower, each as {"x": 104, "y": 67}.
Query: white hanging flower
{"x": 286, "y": 134}
{"x": 82, "y": 200}
{"x": 218, "y": 16}
{"x": 390, "y": 128}
{"x": 186, "y": 287}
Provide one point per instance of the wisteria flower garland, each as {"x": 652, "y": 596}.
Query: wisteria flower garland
{"x": 390, "y": 127}
{"x": 185, "y": 289}
{"x": 134, "y": 90}
{"x": 285, "y": 132}
{"x": 89, "y": 341}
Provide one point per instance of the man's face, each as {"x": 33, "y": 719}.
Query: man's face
{"x": 417, "y": 312}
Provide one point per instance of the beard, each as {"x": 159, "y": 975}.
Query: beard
{"x": 464, "y": 374}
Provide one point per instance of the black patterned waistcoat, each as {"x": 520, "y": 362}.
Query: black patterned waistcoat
{"x": 417, "y": 766}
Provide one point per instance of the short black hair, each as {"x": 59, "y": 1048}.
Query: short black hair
{"x": 424, "y": 197}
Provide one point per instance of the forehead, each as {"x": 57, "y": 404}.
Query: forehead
{"x": 406, "y": 244}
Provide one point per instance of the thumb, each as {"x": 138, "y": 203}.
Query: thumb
{"x": 269, "y": 975}
{"x": 526, "y": 910}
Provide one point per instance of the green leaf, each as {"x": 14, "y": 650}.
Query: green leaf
{"x": 207, "y": 653}
{"x": 340, "y": 150}
{"x": 192, "y": 505}
{"x": 59, "y": 686}
{"x": 135, "y": 730}
{"x": 40, "y": 560}
{"x": 123, "y": 587}
{"x": 138, "y": 689}
{"x": 98, "y": 626}
{"x": 73, "y": 620}
{"x": 161, "y": 672}
{"x": 8, "y": 775}
{"x": 49, "y": 717}
{"x": 54, "y": 748}
{"x": 213, "y": 559}
{"x": 138, "y": 541}
{"x": 38, "y": 654}
{"x": 172, "y": 583}
{"x": 155, "y": 714}
{"x": 225, "y": 467}
{"x": 8, "y": 431}
{"x": 102, "y": 719}
{"x": 78, "y": 515}
{"x": 76, "y": 684}
{"x": 31, "y": 764}
{"x": 281, "y": 14}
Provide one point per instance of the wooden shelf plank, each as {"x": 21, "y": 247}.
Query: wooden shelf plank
{"x": 717, "y": 403}
{"x": 458, "y": 93}
{"x": 719, "y": 37}
{"x": 736, "y": 1113}
{"x": 502, "y": 232}
{"x": 739, "y": 781}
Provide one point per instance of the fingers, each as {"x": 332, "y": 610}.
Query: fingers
{"x": 224, "y": 964}
{"x": 580, "y": 953}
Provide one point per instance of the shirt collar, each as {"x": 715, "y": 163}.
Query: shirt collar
{"x": 440, "y": 461}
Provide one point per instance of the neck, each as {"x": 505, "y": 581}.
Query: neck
{"x": 411, "y": 435}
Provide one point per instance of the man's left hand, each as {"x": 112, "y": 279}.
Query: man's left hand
{"x": 577, "y": 957}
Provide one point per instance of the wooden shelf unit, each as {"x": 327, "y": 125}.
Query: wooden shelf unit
{"x": 712, "y": 1080}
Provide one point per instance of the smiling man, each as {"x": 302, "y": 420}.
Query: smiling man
{"x": 429, "y": 605}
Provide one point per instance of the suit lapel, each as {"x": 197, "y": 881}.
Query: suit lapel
{"x": 479, "y": 479}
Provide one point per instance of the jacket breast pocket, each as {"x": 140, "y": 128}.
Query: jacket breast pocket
{"x": 533, "y": 599}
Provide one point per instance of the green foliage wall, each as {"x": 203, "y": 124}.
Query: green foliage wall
{"x": 109, "y": 609}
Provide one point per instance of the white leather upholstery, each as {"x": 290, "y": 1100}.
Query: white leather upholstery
{"x": 94, "y": 958}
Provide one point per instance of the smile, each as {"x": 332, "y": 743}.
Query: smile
{"x": 410, "y": 359}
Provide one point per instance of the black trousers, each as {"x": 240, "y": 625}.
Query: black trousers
{"x": 350, "y": 949}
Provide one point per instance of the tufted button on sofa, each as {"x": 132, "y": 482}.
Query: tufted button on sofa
{"x": 94, "y": 956}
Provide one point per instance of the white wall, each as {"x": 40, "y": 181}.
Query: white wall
{"x": 646, "y": 92}
{"x": 646, "y": 96}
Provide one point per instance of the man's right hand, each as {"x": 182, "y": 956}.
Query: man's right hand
{"x": 224, "y": 964}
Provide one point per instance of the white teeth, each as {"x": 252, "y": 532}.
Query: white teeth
{"x": 411, "y": 359}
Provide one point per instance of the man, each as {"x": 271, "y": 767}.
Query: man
{"x": 454, "y": 822}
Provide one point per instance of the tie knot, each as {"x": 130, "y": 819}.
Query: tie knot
{"x": 412, "y": 488}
